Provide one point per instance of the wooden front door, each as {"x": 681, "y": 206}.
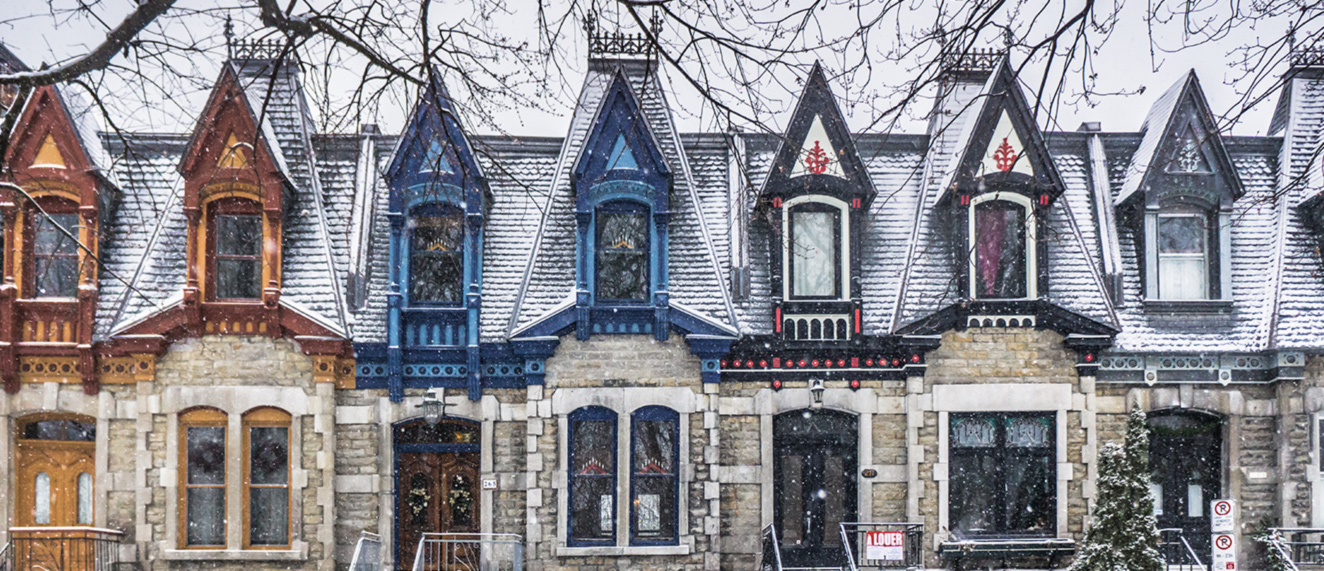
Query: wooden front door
{"x": 55, "y": 473}
{"x": 438, "y": 493}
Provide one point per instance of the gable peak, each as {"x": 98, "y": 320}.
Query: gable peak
{"x": 49, "y": 156}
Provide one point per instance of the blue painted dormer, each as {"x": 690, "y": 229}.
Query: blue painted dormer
{"x": 438, "y": 197}
{"x": 622, "y": 184}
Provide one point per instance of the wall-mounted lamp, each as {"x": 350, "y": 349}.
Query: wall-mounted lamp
{"x": 434, "y": 405}
{"x": 816, "y": 391}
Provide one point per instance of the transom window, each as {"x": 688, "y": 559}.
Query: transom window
{"x": 1001, "y": 250}
{"x": 655, "y": 432}
{"x": 592, "y": 476}
{"x": 1183, "y": 260}
{"x": 55, "y": 254}
{"x": 622, "y": 253}
{"x": 815, "y": 254}
{"x": 236, "y": 246}
{"x": 1002, "y": 474}
{"x": 436, "y": 259}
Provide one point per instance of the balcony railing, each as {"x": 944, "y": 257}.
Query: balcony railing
{"x": 61, "y": 549}
{"x": 1303, "y": 546}
{"x": 469, "y": 552}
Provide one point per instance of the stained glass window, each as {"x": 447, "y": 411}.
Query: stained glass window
{"x": 622, "y": 254}
{"x": 592, "y": 476}
{"x": 436, "y": 260}
{"x": 55, "y": 255}
{"x": 1000, "y": 250}
{"x": 1002, "y": 474}
{"x": 815, "y": 258}
{"x": 653, "y": 475}
{"x": 268, "y": 478}
{"x": 238, "y": 256}
{"x": 1182, "y": 262}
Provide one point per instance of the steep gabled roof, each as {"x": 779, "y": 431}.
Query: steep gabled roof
{"x": 434, "y": 142}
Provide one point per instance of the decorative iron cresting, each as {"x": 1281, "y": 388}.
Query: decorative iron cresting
{"x": 972, "y": 60}
{"x": 601, "y": 42}
{"x": 1308, "y": 57}
{"x": 240, "y": 49}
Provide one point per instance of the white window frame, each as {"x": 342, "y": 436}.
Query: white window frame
{"x": 1178, "y": 212}
{"x": 1031, "y": 244}
{"x": 844, "y": 245}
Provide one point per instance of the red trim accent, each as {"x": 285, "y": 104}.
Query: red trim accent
{"x": 776, "y": 202}
{"x": 854, "y": 362}
{"x": 776, "y": 361}
{"x": 965, "y": 200}
{"x": 855, "y": 384}
{"x": 857, "y": 320}
{"x": 855, "y": 203}
{"x": 776, "y": 384}
{"x": 778, "y": 323}
{"x": 1043, "y": 200}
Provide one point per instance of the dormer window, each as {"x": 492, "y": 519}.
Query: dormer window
{"x": 436, "y": 259}
{"x": 55, "y": 254}
{"x": 1002, "y": 251}
{"x": 814, "y": 249}
{"x": 236, "y": 247}
{"x": 1183, "y": 254}
{"x": 622, "y": 252}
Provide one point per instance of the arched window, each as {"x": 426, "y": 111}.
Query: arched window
{"x": 202, "y": 478}
{"x": 235, "y": 247}
{"x": 1183, "y": 253}
{"x": 814, "y": 246}
{"x": 654, "y": 451}
{"x": 436, "y": 257}
{"x": 266, "y": 453}
{"x": 54, "y": 249}
{"x": 1002, "y": 248}
{"x": 592, "y": 476}
{"x": 622, "y": 260}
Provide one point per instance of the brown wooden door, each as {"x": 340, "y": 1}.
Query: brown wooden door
{"x": 55, "y": 481}
{"x": 438, "y": 493}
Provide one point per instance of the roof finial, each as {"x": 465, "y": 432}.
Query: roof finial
{"x": 1008, "y": 39}
{"x": 229, "y": 37}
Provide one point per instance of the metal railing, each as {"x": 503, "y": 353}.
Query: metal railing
{"x": 469, "y": 552}
{"x": 861, "y": 555}
{"x": 1302, "y": 546}
{"x": 61, "y": 549}
{"x": 1176, "y": 551}
{"x": 367, "y": 553}
{"x": 772, "y": 551}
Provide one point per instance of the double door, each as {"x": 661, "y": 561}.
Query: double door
{"x": 438, "y": 493}
{"x": 816, "y": 459}
{"x": 54, "y": 483}
{"x": 1185, "y": 474}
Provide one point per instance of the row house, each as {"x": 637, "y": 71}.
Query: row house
{"x": 635, "y": 347}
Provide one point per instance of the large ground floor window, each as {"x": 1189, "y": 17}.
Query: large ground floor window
{"x": 1002, "y": 473}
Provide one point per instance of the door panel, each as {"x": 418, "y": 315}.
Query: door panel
{"x": 54, "y": 482}
{"x": 1185, "y": 459}
{"x": 438, "y": 493}
{"x": 814, "y": 485}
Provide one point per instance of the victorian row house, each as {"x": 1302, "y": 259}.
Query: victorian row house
{"x": 632, "y": 347}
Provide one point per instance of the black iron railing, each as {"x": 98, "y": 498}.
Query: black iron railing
{"x": 1303, "y": 546}
{"x": 875, "y": 545}
{"x": 1176, "y": 550}
{"x": 367, "y": 553}
{"x": 772, "y": 551}
{"x": 61, "y": 549}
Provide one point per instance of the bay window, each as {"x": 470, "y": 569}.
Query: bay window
{"x": 814, "y": 262}
{"x": 592, "y": 476}
{"x": 1183, "y": 255}
{"x": 55, "y": 254}
{"x": 1002, "y": 475}
{"x": 202, "y": 475}
{"x": 436, "y": 259}
{"x": 654, "y": 449}
{"x": 1002, "y": 248}
{"x": 622, "y": 272}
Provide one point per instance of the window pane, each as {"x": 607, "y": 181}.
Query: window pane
{"x": 1029, "y": 493}
{"x": 84, "y": 499}
{"x": 42, "y": 507}
{"x": 268, "y": 516}
{"x": 238, "y": 279}
{"x": 1000, "y": 270}
{"x": 1156, "y": 494}
{"x": 437, "y": 261}
{"x": 655, "y": 508}
{"x": 593, "y": 508}
{"x": 206, "y": 455}
{"x": 269, "y": 460}
{"x": 593, "y": 448}
{"x": 55, "y": 256}
{"x": 814, "y": 254}
{"x": 461, "y": 501}
{"x": 238, "y": 235}
{"x": 974, "y": 483}
{"x": 44, "y": 430}
{"x": 80, "y": 431}
{"x": 974, "y": 432}
{"x": 206, "y": 516}
{"x": 1025, "y": 432}
{"x": 593, "y": 462}
{"x": 791, "y": 497}
{"x": 1181, "y": 234}
{"x": 653, "y": 448}
{"x": 833, "y": 496}
{"x": 1182, "y": 277}
{"x": 622, "y": 258}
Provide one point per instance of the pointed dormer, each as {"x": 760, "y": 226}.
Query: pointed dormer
{"x": 1178, "y": 196}
{"x": 622, "y": 189}
{"x": 51, "y": 230}
{"x": 817, "y": 191}
{"x": 998, "y": 190}
{"x": 438, "y": 199}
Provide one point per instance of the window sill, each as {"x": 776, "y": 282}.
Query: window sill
{"x": 1194, "y": 306}
{"x": 1007, "y": 547}
{"x": 616, "y": 550}
{"x": 297, "y": 554}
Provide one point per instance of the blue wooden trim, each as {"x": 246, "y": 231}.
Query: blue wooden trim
{"x": 435, "y": 448}
{"x": 598, "y": 414}
{"x": 657, "y": 413}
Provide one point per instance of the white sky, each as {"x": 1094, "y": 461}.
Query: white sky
{"x": 1124, "y": 65}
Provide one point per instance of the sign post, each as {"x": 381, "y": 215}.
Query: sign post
{"x": 883, "y": 546}
{"x": 1222, "y": 523}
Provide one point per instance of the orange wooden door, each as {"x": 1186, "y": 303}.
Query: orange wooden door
{"x": 55, "y": 482}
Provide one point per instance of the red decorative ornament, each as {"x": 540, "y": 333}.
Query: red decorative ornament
{"x": 896, "y": 362}
{"x": 855, "y": 385}
{"x": 841, "y": 362}
{"x": 723, "y": 363}
{"x": 817, "y": 160}
{"x": 914, "y": 358}
{"x": 868, "y": 362}
{"x": 763, "y": 363}
{"x": 802, "y": 363}
{"x": 1089, "y": 357}
{"x": 776, "y": 384}
{"x": 1005, "y": 156}
{"x": 812, "y": 363}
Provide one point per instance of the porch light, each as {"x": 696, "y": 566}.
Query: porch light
{"x": 816, "y": 391}
{"x": 434, "y": 405}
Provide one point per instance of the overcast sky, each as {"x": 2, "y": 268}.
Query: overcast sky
{"x": 1124, "y": 65}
